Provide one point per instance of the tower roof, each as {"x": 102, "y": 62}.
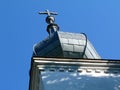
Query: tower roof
{"x": 65, "y": 44}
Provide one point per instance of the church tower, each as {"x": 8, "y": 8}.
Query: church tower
{"x": 68, "y": 61}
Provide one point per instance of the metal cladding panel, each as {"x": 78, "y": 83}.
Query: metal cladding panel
{"x": 64, "y": 44}
{"x": 49, "y": 47}
{"x": 72, "y": 44}
{"x": 79, "y": 48}
{"x": 67, "y": 47}
{"x": 72, "y": 54}
{"x": 77, "y": 45}
{"x": 68, "y": 35}
{"x": 90, "y": 52}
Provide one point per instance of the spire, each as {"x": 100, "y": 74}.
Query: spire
{"x": 50, "y": 20}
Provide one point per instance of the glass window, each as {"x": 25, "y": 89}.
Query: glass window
{"x": 56, "y": 80}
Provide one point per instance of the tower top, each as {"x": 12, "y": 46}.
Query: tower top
{"x": 48, "y": 13}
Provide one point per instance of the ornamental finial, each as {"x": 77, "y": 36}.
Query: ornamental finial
{"x": 52, "y": 27}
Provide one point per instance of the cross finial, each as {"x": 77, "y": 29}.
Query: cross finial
{"x": 52, "y": 27}
{"x": 48, "y": 13}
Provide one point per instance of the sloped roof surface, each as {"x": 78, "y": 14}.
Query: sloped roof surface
{"x": 65, "y": 44}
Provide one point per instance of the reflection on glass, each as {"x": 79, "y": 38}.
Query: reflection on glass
{"x": 79, "y": 81}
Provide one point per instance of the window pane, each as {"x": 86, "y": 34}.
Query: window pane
{"x": 79, "y": 81}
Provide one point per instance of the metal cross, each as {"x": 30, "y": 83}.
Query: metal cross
{"x": 48, "y": 13}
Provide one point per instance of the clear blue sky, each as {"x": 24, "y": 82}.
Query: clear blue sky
{"x": 21, "y": 27}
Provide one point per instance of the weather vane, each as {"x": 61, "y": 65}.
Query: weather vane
{"x": 52, "y": 27}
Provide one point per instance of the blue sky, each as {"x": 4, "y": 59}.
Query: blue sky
{"x": 21, "y": 27}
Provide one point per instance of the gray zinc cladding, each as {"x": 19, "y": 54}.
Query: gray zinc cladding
{"x": 65, "y": 44}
